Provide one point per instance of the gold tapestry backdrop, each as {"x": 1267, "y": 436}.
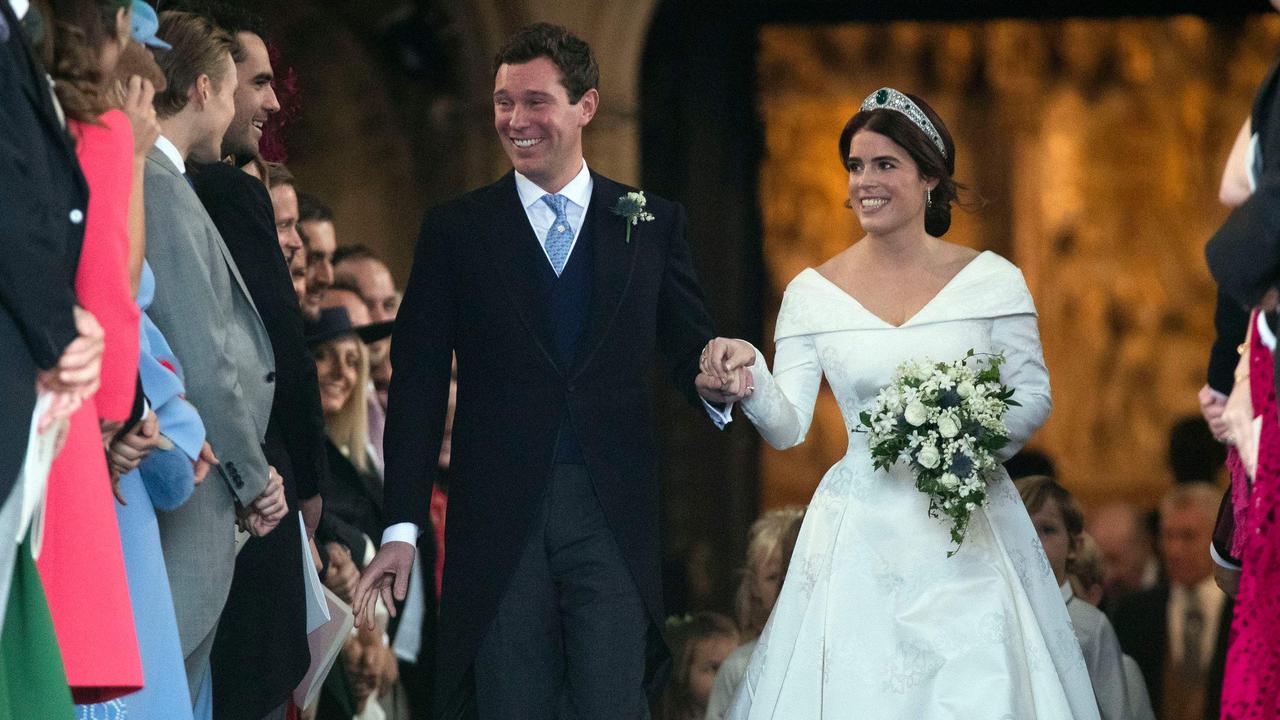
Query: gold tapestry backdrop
{"x": 1097, "y": 146}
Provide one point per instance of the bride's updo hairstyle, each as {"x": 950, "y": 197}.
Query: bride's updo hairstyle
{"x": 901, "y": 129}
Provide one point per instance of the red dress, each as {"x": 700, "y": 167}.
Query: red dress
{"x": 1251, "y": 688}
{"x": 80, "y": 561}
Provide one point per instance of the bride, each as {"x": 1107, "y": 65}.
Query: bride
{"x": 875, "y": 620}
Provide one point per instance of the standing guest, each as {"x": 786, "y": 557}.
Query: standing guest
{"x": 81, "y": 538}
{"x": 150, "y": 477}
{"x": 1086, "y": 583}
{"x": 284, "y": 202}
{"x": 699, "y": 644}
{"x": 552, "y": 592}
{"x": 260, "y": 653}
{"x": 1059, "y": 524}
{"x": 81, "y": 545}
{"x": 1128, "y": 558}
{"x": 49, "y": 346}
{"x": 1177, "y": 631}
{"x": 771, "y": 541}
{"x": 353, "y": 488}
{"x": 358, "y": 268}
{"x": 205, "y": 311}
{"x": 315, "y": 222}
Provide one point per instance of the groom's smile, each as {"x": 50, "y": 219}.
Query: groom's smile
{"x": 540, "y": 128}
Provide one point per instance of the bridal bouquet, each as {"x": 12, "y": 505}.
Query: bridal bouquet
{"x": 946, "y": 421}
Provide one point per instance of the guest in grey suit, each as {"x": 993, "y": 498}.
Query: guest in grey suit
{"x": 203, "y": 308}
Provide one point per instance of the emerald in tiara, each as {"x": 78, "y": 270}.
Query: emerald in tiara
{"x": 890, "y": 99}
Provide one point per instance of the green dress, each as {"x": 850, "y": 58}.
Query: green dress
{"x": 33, "y": 683}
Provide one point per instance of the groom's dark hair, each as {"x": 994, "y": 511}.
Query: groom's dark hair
{"x": 578, "y": 69}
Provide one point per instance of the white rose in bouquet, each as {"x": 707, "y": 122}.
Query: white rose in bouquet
{"x": 916, "y": 413}
{"x": 948, "y": 426}
{"x": 929, "y": 457}
{"x": 964, "y": 390}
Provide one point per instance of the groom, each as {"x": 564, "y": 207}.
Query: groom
{"x": 552, "y": 598}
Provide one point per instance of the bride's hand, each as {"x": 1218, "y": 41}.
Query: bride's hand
{"x": 738, "y": 386}
{"x": 722, "y": 357}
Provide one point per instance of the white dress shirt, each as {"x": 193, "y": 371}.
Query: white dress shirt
{"x": 20, "y": 7}
{"x": 541, "y": 216}
{"x": 166, "y": 146}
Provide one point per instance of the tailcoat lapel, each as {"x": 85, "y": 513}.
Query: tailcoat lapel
{"x": 522, "y": 264}
{"x": 614, "y": 262}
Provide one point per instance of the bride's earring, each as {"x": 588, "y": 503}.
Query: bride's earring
{"x": 928, "y": 197}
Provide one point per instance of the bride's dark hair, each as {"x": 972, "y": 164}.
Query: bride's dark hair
{"x": 900, "y": 129}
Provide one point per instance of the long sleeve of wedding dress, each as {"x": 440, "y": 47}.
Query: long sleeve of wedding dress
{"x": 781, "y": 407}
{"x": 1024, "y": 370}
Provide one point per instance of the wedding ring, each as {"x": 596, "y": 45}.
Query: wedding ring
{"x": 751, "y": 387}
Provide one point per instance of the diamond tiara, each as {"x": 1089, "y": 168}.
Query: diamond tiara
{"x": 890, "y": 99}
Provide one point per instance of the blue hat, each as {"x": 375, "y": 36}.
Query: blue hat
{"x": 144, "y": 26}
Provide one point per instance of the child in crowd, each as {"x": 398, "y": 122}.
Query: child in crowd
{"x": 1059, "y": 523}
{"x": 769, "y": 545}
{"x": 1086, "y": 577}
{"x": 699, "y": 643}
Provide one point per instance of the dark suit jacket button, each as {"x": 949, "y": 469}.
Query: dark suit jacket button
{"x": 271, "y": 376}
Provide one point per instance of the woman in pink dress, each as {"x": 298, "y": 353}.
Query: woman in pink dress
{"x": 80, "y": 562}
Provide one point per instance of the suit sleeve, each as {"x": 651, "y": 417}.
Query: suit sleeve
{"x": 1230, "y": 321}
{"x": 36, "y": 271}
{"x": 684, "y": 325}
{"x": 194, "y": 319}
{"x": 421, "y": 353}
{"x": 1244, "y": 254}
{"x": 241, "y": 209}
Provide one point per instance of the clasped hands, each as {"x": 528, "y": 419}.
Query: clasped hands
{"x": 724, "y": 375}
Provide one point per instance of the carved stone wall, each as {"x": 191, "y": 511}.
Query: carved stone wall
{"x": 1097, "y": 146}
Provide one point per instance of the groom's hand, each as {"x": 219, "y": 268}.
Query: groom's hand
{"x": 738, "y": 386}
{"x": 723, "y": 357}
{"x": 391, "y": 565}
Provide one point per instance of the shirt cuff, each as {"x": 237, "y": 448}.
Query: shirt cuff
{"x": 721, "y": 417}
{"x": 1219, "y": 560}
{"x": 401, "y": 532}
{"x": 1267, "y": 337}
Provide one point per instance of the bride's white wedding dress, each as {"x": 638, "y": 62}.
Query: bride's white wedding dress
{"x": 874, "y": 621}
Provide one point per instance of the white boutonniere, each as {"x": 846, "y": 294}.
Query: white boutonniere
{"x": 631, "y": 208}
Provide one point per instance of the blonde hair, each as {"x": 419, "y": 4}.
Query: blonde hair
{"x": 775, "y": 531}
{"x": 349, "y": 427}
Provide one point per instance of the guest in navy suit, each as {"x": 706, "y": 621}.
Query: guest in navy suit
{"x": 553, "y": 304}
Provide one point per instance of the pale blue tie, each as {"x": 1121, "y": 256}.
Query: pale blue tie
{"x": 559, "y": 235}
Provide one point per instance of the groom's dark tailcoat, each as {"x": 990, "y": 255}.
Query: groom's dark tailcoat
{"x": 480, "y": 287}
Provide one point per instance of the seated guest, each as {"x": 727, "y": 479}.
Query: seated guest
{"x": 1177, "y": 631}
{"x": 353, "y": 488}
{"x": 699, "y": 644}
{"x": 770, "y": 542}
{"x": 1086, "y": 582}
{"x": 1128, "y": 559}
{"x": 1059, "y": 524}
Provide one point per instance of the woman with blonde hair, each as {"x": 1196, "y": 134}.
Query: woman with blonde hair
{"x": 353, "y": 489}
